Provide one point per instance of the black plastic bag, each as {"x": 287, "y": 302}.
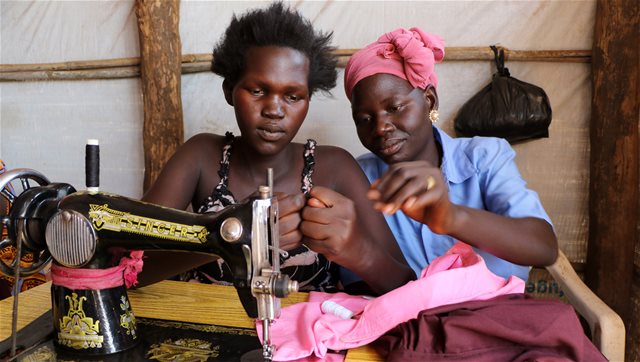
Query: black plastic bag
{"x": 506, "y": 107}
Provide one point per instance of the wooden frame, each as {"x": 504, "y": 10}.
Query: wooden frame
{"x": 615, "y": 169}
{"x": 198, "y": 63}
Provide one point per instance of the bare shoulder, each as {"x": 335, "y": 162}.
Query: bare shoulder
{"x": 202, "y": 146}
{"x": 206, "y": 141}
{"x": 190, "y": 174}
{"x": 326, "y": 151}
{"x": 335, "y": 166}
{"x": 332, "y": 157}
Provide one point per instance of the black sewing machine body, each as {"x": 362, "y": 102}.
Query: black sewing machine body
{"x": 105, "y": 225}
{"x": 94, "y": 230}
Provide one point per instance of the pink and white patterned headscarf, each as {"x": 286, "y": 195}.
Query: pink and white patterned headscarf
{"x": 408, "y": 54}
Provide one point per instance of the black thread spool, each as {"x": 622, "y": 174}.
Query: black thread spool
{"x": 92, "y": 165}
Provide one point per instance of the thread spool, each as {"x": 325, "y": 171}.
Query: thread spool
{"x": 92, "y": 165}
{"x": 331, "y": 307}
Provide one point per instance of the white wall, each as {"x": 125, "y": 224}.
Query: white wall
{"x": 44, "y": 125}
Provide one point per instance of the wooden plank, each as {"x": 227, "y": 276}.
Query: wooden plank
{"x": 32, "y": 303}
{"x": 614, "y": 170}
{"x": 160, "y": 70}
{"x": 205, "y": 301}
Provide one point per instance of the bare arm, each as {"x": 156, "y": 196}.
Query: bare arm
{"x": 524, "y": 241}
{"x": 406, "y": 187}
{"x": 341, "y": 223}
{"x": 177, "y": 184}
{"x": 176, "y": 187}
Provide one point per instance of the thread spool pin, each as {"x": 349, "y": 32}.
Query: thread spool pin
{"x": 92, "y": 165}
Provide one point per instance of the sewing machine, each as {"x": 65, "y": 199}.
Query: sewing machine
{"x": 91, "y": 230}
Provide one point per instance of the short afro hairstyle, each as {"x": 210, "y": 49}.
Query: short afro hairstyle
{"x": 275, "y": 25}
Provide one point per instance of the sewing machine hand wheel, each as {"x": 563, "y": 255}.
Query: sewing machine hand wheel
{"x": 14, "y": 229}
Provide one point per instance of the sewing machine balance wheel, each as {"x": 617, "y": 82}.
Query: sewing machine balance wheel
{"x": 14, "y": 228}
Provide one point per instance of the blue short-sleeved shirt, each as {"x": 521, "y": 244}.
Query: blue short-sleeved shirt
{"x": 481, "y": 173}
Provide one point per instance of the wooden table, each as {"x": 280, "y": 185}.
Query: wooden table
{"x": 168, "y": 300}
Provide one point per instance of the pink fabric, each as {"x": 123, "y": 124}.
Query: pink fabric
{"x": 125, "y": 273}
{"x": 408, "y": 54}
{"x": 461, "y": 275}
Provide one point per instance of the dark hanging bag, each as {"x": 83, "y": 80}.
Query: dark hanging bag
{"x": 506, "y": 107}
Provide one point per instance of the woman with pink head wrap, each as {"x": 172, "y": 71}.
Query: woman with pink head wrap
{"x": 435, "y": 189}
{"x": 408, "y": 54}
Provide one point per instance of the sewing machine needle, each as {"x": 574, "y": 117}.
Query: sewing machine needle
{"x": 267, "y": 348}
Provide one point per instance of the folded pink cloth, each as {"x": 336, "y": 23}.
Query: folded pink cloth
{"x": 303, "y": 330}
{"x": 409, "y": 54}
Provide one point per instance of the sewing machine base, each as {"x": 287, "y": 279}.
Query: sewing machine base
{"x": 159, "y": 340}
{"x": 93, "y": 322}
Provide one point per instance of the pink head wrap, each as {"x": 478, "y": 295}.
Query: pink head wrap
{"x": 408, "y": 54}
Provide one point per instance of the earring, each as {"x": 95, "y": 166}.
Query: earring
{"x": 433, "y": 116}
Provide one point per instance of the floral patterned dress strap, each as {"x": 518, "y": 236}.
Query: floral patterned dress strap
{"x": 221, "y": 196}
{"x": 309, "y": 163}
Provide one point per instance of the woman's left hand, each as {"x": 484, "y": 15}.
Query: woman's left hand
{"x": 290, "y": 209}
{"x": 329, "y": 226}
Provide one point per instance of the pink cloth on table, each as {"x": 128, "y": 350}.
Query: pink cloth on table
{"x": 409, "y": 54}
{"x": 303, "y": 331}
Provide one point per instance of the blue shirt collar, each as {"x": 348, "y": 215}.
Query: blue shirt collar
{"x": 456, "y": 165}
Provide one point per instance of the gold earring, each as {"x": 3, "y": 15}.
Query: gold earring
{"x": 433, "y": 116}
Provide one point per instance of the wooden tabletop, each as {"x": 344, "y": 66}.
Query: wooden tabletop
{"x": 168, "y": 300}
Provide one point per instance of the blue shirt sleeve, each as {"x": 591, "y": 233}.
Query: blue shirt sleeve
{"x": 504, "y": 190}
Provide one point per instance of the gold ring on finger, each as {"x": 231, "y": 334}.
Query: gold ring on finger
{"x": 431, "y": 182}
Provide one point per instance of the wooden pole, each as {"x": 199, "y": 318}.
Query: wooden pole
{"x": 71, "y": 65}
{"x": 614, "y": 179}
{"x": 197, "y": 63}
{"x": 80, "y": 74}
{"x": 160, "y": 72}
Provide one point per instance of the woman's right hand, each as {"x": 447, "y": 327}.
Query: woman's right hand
{"x": 331, "y": 226}
{"x": 419, "y": 190}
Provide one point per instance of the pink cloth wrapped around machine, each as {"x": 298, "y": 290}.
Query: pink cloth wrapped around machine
{"x": 305, "y": 331}
{"x": 126, "y": 272}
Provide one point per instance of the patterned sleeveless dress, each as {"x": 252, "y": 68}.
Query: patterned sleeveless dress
{"x": 311, "y": 270}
